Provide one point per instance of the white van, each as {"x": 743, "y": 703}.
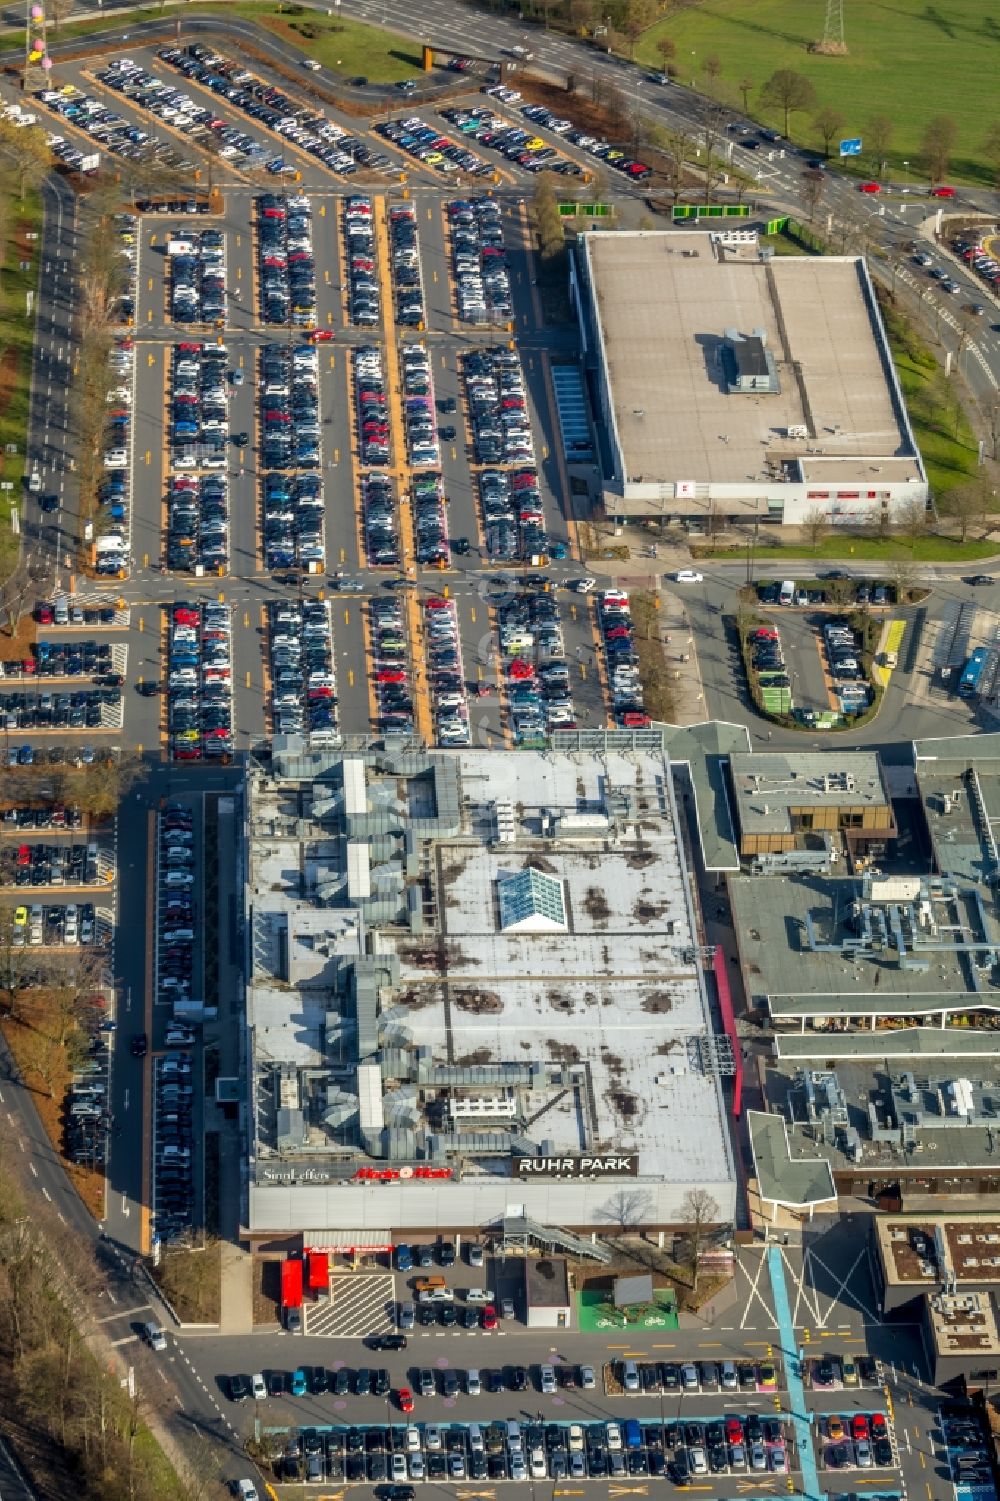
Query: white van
{"x": 787, "y": 595}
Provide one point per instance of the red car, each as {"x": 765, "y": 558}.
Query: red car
{"x": 321, "y": 335}
{"x": 880, "y": 1428}
{"x": 184, "y": 615}
{"x": 859, "y": 1426}
{"x": 942, "y": 192}
{"x": 45, "y": 615}
{"x": 489, "y": 1318}
{"x": 24, "y": 854}
{"x": 869, "y": 187}
{"x": 405, "y": 1399}
{"x": 734, "y": 1431}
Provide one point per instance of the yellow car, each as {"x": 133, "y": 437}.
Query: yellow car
{"x": 432, "y": 158}
{"x": 535, "y": 144}
{"x": 834, "y": 1428}
{"x": 21, "y": 916}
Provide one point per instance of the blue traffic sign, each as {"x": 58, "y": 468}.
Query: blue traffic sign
{"x": 851, "y": 147}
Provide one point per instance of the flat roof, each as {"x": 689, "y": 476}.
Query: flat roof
{"x": 769, "y": 785}
{"x": 866, "y": 1119}
{"x": 888, "y": 1042}
{"x": 588, "y": 1040}
{"x": 665, "y": 302}
{"x": 963, "y": 1324}
{"x": 770, "y": 919}
{"x": 704, "y": 750}
{"x": 781, "y": 1177}
{"x": 918, "y": 1249}
{"x": 546, "y": 1281}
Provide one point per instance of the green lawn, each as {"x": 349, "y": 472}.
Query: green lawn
{"x": 16, "y": 337}
{"x": 343, "y": 46}
{"x": 940, "y": 426}
{"x": 843, "y": 544}
{"x": 597, "y": 1312}
{"x": 907, "y": 60}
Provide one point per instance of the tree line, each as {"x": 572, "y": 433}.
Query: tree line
{"x": 88, "y": 1433}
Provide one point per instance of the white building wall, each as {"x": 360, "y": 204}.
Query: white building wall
{"x": 548, "y": 1318}
{"x": 286, "y": 1209}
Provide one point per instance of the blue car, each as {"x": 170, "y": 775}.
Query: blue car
{"x": 300, "y": 1386}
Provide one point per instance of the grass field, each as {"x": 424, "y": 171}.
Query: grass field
{"x": 15, "y": 358}
{"x": 907, "y": 60}
{"x": 344, "y": 47}
{"x": 843, "y": 544}
{"x": 942, "y": 430}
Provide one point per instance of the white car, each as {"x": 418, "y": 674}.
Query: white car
{"x": 246, "y": 1490}
{"x": 584, "y": 586}
{"x": 688, "y": 576}
{"x": 258, "y": 1387}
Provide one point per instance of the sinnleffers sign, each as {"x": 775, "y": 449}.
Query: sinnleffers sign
{"x": 607, "y": 1165}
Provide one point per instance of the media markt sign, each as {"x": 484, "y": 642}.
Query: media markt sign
{"x": 609, "y": 1165}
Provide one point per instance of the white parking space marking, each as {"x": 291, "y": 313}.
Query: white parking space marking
{"x": 360, "y": 1303}
{"x": 754, "y": 1294}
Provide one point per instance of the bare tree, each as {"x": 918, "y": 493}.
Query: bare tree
{"x": 937, "y": 144}
{"x": 27, "y": 149}
{"x": 788, "y": 91}
{"x": 815, "y": 524}
{"x": 712, "y": 69}
{"x": 813, "y": 187}
{"x": 698, "y": 1211}
{"x": 911, "y": 520}
{"x": 585, "y": 14}
{"x": 991, "y": 150}
{"x": 57, "y": 12}
{"x": 639, "y": 16}
{"x": 878, "y": 134}
{"x": 667, "y": 48}
{"x": 746, "y": 89}
{"x": 829, "y": 122}
{"x": 627, "y": 1209}
{"x": 970, "y": 503}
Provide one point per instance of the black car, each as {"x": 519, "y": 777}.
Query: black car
{"x": 387, "y": 1342}
{"x": 493, "y": 1381}
{"x": 517, "y": 1381}
{"x": 139, "y": 1045}
{"x": 980, "y": 580}
{"x": 446, "y": 1253}
{"x": 239, "y": 1388}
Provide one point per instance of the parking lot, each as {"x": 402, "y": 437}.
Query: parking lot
{"x": 355, "y": 490}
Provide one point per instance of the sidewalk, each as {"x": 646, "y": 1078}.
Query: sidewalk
{"x": 236, "y": 1305}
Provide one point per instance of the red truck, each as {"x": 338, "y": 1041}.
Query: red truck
{"x": 291, "y": 1294}
{"x": 319, "y": 1273}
